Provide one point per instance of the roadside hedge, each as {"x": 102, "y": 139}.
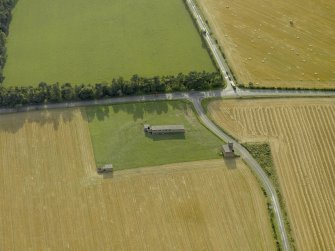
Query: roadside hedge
{"x": 252, "y": 86}
{"x": 54, "y": 93}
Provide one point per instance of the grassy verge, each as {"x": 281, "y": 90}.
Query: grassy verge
{"x": 261, "y": 152}
{"x": 118, "y": 138}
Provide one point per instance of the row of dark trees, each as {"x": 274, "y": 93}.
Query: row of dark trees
{"x": 6, "y": 7}
{"x": 53, "y": 93}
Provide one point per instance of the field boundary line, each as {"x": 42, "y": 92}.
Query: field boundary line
{"x": 255, "y": 167}
{"x": 203, "y": 95}
{"x": 196, "y": 98}
{"x": 206, "y": 34}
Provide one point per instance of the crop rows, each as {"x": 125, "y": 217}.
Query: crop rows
{"x": 302, "y": 137}
{"x": 52, "y": 198}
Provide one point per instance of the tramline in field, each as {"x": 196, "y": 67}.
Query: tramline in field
{"x": 301, "y": 134}
{"x": 53, "y": 198}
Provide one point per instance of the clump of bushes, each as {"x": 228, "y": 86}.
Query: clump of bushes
{"x": 53, "y": 93}
{"x": 262, "y": 153}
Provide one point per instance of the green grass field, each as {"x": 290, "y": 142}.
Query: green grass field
{"x": 118, "y": 137}
{"x": 81, "y": 41}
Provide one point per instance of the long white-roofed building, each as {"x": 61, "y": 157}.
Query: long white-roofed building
{"x": 164, "y": 129}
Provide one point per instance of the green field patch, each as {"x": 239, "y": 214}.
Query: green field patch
{"x": 81, "y": 41}
{"x": 118, "y": 137}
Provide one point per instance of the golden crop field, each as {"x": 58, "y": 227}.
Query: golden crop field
{"x": 301, "y": 133}
{"x": 263, "y": 47}
{"x": 52, "y": 199}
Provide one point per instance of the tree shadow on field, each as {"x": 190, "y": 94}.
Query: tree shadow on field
{"x": 12, "y": 123}
{"x": 97, "y": 112}
{"x": 179, "y": 105}
{"x": 136, "y": 109}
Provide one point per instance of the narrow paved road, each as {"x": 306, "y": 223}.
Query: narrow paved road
{"x": 221, "y": 93}
{"x": 256, "y": 168}
{"x": 220, "y": 61}
{"x": 226, "y": 73}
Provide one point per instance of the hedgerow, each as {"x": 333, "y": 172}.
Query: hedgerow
{"x": 54, "y": 93}
{"x": 252, "y": 86}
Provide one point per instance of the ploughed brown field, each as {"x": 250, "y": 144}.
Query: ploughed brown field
{"x": 263, "y": 47}
{"x": 52, "y": 199}
{"x": 301, "y": 133}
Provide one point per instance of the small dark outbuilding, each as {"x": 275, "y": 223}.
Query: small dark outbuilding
{"x": 105, "y": 169}
{"x": 228, "y": 150}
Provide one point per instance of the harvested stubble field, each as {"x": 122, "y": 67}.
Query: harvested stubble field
{"x": 263, "y": 47}
{"x": 83, "y": 41}
{"x": 301, "y": 133}
{"x": 52, "y": 199}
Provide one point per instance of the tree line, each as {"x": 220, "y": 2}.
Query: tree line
{"x": 53, "y": 93}
{"x": 6, "y": 7}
